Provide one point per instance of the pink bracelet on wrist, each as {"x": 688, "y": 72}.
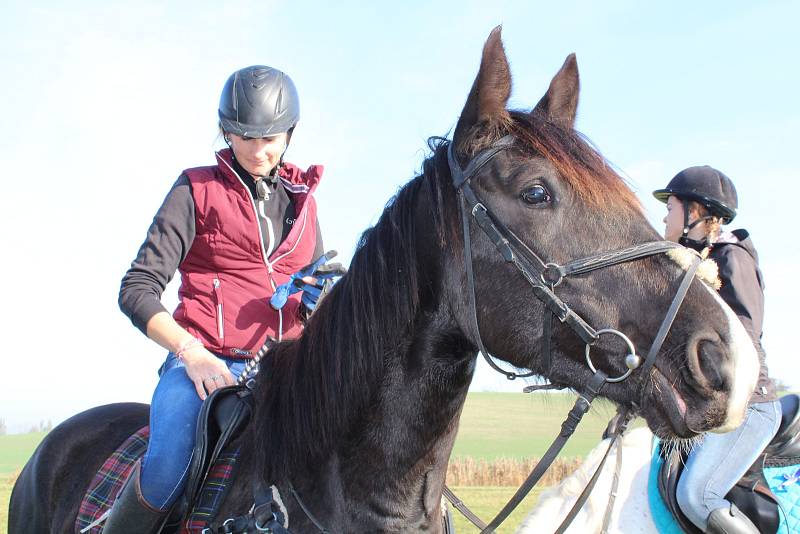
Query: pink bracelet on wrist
{"x": 190, "y": 343}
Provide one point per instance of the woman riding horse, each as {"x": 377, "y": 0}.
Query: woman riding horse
{"x": 699, "y": 200}
{"x": 235, "y": 231}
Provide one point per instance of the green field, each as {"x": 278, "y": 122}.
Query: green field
{"x": 515, "y": 425}
{"x": 15, "y": 451}
{"x": 486, "y": 502}
{"x": 493, "y": 425}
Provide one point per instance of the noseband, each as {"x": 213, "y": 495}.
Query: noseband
{"x": 543, "y": 278}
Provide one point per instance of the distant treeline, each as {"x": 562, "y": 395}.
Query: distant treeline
{"x": 41, "y": 427}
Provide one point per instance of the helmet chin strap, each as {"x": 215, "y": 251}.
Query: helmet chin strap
{"x": 685, "y": 240}
{"x": 274, "y": 172}
{"x": 289, "y": 133}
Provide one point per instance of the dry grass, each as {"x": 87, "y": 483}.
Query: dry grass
{"x": 466, "y": 471}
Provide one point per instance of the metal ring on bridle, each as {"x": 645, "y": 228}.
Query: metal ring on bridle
{"x": 632, "y": 360}
{"x": 552, "y": 275}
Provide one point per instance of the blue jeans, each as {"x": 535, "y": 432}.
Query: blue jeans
{"x": 719, "y": 462}
{"x": 173, "y": 421}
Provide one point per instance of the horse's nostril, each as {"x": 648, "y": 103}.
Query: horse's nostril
{"x": 712, "y": 364}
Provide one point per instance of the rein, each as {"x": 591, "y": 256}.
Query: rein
{"x": 544, "y": 277}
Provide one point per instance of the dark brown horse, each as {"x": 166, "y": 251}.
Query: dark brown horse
{"x": 360, "y": 413}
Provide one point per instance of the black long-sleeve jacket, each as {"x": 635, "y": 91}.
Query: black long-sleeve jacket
{"x": 743, "y": 290}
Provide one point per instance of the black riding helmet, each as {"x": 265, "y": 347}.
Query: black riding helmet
{"x": 258, "y": 101}
{"x": 706, "y": 185}
{"x": 710, "y": 188}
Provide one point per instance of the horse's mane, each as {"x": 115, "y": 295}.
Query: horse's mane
{"x": 310, "y": 387}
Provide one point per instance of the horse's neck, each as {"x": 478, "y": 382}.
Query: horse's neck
{"x": 631, "y": 512}
{"x": 392, "y": 464}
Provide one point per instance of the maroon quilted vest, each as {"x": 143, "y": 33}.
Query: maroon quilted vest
{"x": 226, "y": 280}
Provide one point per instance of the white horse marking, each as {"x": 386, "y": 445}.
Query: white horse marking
{"x": 744, "y": 366}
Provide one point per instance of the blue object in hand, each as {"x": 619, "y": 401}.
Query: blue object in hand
{"x": 323, "y": 274}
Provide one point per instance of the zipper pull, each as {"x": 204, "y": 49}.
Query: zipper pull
{"x": 220, "y": 319}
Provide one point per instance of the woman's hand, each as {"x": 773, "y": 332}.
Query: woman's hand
{"x": 206, "y": 371}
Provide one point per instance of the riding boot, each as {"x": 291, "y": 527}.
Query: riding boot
{"x": 131, "y": 513}
{"x": 730, "y": 521}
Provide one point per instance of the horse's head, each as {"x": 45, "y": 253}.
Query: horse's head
{"x": 557, "y": 200}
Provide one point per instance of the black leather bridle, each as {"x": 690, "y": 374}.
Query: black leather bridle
{"x": 543, "y": 278}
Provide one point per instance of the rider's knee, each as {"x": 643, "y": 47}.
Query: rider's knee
{"x": 690, "y": 499}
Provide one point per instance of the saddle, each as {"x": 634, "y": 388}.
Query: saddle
{"x": 222, "y": 418}
{"x": 751, "y": 494}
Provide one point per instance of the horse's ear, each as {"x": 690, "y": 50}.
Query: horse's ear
{"x": 487, "y": 100}
{"x": 560, "y": 103}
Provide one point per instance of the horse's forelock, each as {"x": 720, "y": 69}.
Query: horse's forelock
{"x": 483, "y": 134}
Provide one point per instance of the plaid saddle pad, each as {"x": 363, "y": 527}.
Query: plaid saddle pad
{"x": 108, "y": 482}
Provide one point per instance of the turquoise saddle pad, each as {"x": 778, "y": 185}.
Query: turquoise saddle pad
{"x": 783, "y": 481}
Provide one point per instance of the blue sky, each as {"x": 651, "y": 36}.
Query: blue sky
{"x": 106, "y": 102}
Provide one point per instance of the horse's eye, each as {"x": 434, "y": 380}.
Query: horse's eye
{"x": 536, "y": 195}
